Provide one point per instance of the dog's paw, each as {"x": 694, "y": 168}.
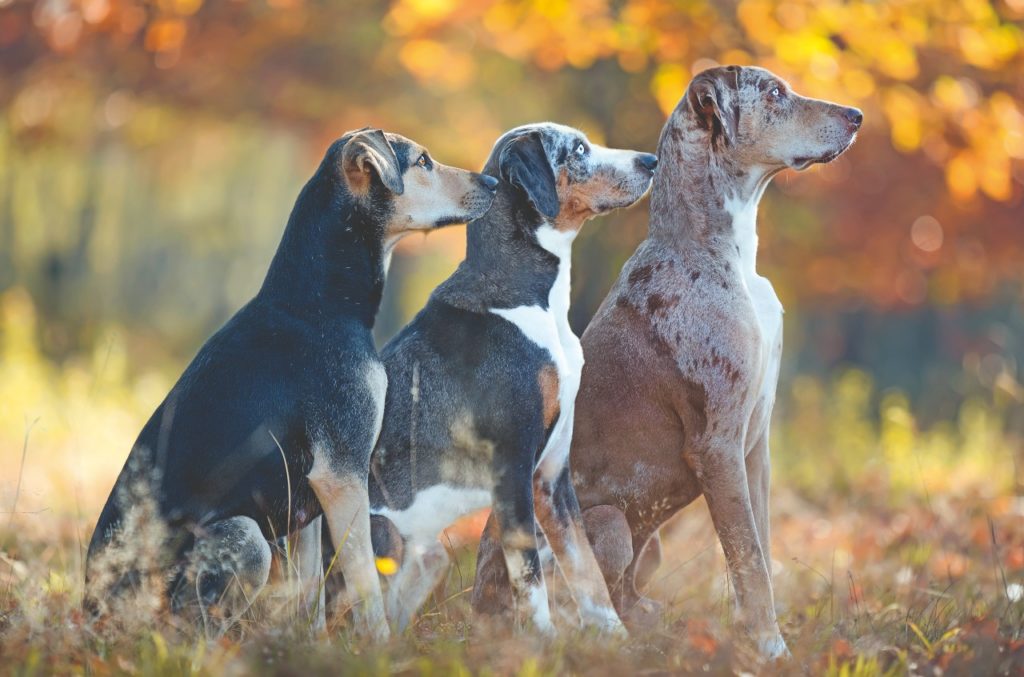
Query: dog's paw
{"x": 772, "y": 647}
{"x": 602, "y": 618}
{"x": 544, "y": 627}
{"x": 616, "y": 629}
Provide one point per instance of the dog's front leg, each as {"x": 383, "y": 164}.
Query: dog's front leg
{"x": 514, "y": 516}
{"x": 759, "y": 470}
{"x": 343, "y": 496}
{"x": 308, "y": 565}
{"x": 558, "y": 512}
{"x": 722, "y": 474}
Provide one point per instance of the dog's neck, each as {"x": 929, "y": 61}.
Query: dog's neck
{"x": 505, "y": 266}
{"x": 702, "y": 198}
{"x": 331, "y": 261}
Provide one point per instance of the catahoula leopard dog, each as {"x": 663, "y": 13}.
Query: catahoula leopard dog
{"x": 682, "y": 358}
{"x": 481, "y": 384}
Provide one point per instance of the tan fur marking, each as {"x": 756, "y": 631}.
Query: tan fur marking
{"x": 358, "y": 182}
{"x": 441, "y": 192}
{"x": 547, "y": 379}
{"x": 579, "y": 200}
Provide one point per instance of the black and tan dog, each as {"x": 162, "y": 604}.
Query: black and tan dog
{"x": 683, "y": 355}
{"x": 481, "y": 384}
{"x": 272, "y": 424}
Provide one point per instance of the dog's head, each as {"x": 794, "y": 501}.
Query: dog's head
{"x": 396, "y": 179}
{"x": 567, "y": 179}
{"x": 752, "y": 116}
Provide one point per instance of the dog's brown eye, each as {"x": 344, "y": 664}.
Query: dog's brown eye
{"x": 424, "y": 162}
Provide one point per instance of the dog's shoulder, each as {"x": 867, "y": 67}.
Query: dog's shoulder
{"x": 683, "y": 306}
{"x": 468, "y": 359}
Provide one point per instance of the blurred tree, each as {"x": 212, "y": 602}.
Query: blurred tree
{"x": 155, "y": 147}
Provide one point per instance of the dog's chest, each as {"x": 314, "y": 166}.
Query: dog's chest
{"x": 549, "y": 328}
{"x": 766, "y": 305}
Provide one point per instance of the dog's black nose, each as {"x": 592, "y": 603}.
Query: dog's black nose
{"x": 854, "y": 116}
{"x": 647, "y": 160}
{"x": 490, "y": 183}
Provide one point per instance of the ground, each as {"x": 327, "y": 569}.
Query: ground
{"x": 898, "y": 548}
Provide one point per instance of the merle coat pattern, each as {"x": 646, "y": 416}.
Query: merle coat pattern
{"x": 682, "y": 358}
{"x": 481, "y": 384}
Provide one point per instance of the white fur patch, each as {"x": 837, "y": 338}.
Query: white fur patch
{"x": 540, "y": 608}
{"x": 767, "y": 306}
{"x": 377, "y": 380}
{"x": 550, "y": 330}
{"x": 621, "y": 160}
{"x": 772, "y": 647}
{"x": 433, "y": 509}
{"x": 537, "y": 598}
{"x": 601, "y": 616}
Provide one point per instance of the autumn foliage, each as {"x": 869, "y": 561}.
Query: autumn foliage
{"x": 150, "y": 152}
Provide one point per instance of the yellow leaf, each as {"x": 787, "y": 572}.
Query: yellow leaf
{"x": 387, "y": 566}
{"x": 668, "y": 86}
{"x": 995, "y": 179}
{"x": 960, "y": 177}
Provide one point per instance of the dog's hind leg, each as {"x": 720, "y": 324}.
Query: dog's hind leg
{"x": 647, "y": 562}
{"x": 608, "y": 532}
{"x": 558, "y": 512}
{"x": 492, "y": 592}
{"x": 307, "y": 563}
{"x": 228, "y": 566}
{"x": 637, "y": 609}
{"x": 421, "y": 572}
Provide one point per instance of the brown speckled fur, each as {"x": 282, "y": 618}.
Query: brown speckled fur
{"x": 682, "y": 357}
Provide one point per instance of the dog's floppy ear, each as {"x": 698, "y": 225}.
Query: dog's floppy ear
{"x": 369, "y": 149}
{"x": 524, "y": 163}
{"x": 705, "y": 97}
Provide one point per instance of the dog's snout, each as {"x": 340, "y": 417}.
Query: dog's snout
{"x": 854, "y": 116}
{"x": 647, "y": 161}
{"x": 488, "y": 181}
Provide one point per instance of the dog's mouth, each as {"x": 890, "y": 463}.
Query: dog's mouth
{"x": 629, "y": 191}
{"x": 802, "y": 163}
{"x": 472, "y": 207}
{"x": 452, "y": 221}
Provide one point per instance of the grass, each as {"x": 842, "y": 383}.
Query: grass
{"x": 896, "y": 550}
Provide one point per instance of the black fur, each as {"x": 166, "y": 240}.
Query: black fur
{"x": 288, "y": 369}
{"x": 523, "y": 162}
{"x": 466, "y": 358}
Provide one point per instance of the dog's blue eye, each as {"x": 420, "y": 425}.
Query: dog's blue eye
{"x": 775, "y": 93}
{"x": 581, "y": 149}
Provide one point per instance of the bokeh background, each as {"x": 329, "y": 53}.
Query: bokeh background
{"x": 150, "y": 153}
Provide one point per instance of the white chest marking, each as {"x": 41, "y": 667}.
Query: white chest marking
{"x": 433, "y": 509}
{"x": 762, "y": 295}
{"x": 550, "y": 330}
{"x": 377, "y": 378}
